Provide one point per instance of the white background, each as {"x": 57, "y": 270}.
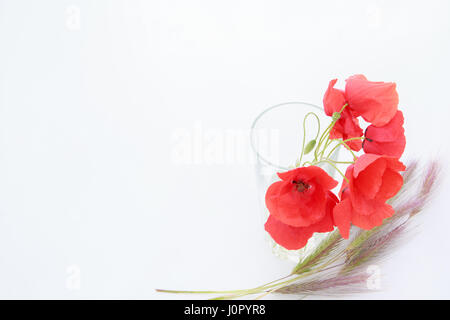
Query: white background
{"x": 89, "y": 188}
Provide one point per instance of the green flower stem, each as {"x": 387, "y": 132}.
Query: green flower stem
{"x": 327, "y": 131}
{"x": 197, "y": 291}
{"x": 322, "y": 139}
{"x": 349, "y": 149}
{"x": 327, "y": 144}
{"x": 323, "y": 267}
{"x": 222, "y": 291}
{"x": 268, "y": 287}
{"x": 342, "y": 162}
{"x": 344, "y": 142}
{"x": 334, "y": 166}
{"x": 330, "y": 162}
{"x": 276, "y": 284}
{"x": 304, "y": 132}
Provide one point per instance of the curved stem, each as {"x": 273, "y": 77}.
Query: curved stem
{"x": 323, "y": 267}
{"x": 322, "y": 139}
{"x": 304, "y": 132}
{"x": 341, "y": 162}
{"x": 326, "y": 133}
{"x": 223, "y": 291}
{"x": 336, "y": 168}
{"x": 344, "y": 142}
{"x": 270, "y": 286}
{"x": 327, "y": 144}
{"x": 349, "y": 149}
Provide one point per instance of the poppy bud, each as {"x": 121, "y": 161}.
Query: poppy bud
{"x": 309, "y": 146}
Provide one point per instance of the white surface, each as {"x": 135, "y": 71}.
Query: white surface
{"x": 89, "y": 189}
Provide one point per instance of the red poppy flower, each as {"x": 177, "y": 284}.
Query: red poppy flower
{"x": 293, "y": 238}
{"x": 376, "y": 102}
{"x": 299, "y": 198}
{"x": 372, "y": 180}
{"x": 299, "y": 205}
{"x": 348, "y": 125}
{"x": 388, "y": 140}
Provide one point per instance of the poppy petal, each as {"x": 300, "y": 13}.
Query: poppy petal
{"x": 369, "y": 180}
{"x": 375, "y": 219}
{"x": 291, "y": 238}
{"x": 389, "y": 132}
{"x": 376, "y": 102}
{"x": 392, "y": 183}
{"x": 334, "y": 99}
{"x": 342, "y": 214}
{"x": 386, "y": 140}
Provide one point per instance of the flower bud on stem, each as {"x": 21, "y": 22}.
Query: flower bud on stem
{"x": 320, "y": 145}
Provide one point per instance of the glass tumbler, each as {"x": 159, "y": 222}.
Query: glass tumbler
{"x": 276, "y": 138}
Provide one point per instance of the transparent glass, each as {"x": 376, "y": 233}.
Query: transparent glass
{"x": 276, "y": 138}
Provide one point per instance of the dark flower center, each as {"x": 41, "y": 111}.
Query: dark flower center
{"x": 301, "y": 186}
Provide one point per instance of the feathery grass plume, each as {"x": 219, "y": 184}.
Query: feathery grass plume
{"x": 373, "y": 247}
{"x": 418, "y": 186}
{"x": 429, "y": 184}
{"x": 340, "y": 284}
{"x": 410, "y": 169}
{"x": 323, "y": 250}
{"x": 410, "y": 177}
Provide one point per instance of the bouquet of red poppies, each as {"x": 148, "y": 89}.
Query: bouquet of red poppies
{"x": 377, "y": 197}
{"x": 302, "y": 203}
